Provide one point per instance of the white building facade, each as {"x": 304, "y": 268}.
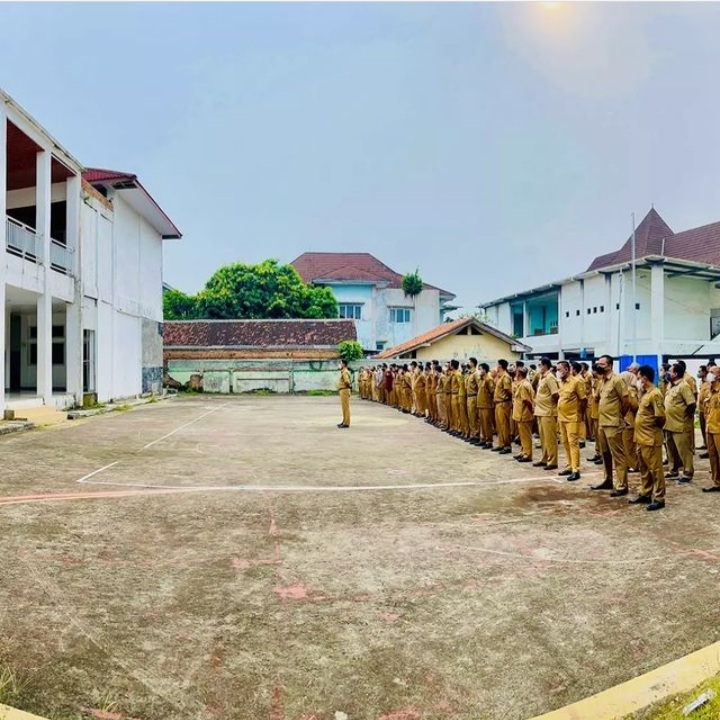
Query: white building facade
{"x": 671, "y": 310}
{"x": 80, "y": 274}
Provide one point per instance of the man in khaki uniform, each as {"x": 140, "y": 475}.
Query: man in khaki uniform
{"x": 703, "y": 392}
{"x": 680, "y": 411}
{"x": 502, "y": 398}
{"x": 546, "y": 401}
{"x": 523, "y": 414}
{"x": 420, "y": 392}
{"x": 571, "y": 404}
{"x": 630, "y": 378}
{"x": 464, "y": 425}
{"x": 344, "y": 385}
{"x": 471, "y": 386}
{"x": 486, "y": 406}
{"x": 649, "y": 423}
{"x": 712, "y": 427}
{"x": 614, "y": 403}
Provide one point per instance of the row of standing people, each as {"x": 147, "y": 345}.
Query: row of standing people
{"x": 629, "y": 418}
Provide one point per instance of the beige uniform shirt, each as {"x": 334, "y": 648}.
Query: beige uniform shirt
{"x": 572, "y": 393}
{"x": 545, "y": 403}
{"x": 522, "y": 411}
{"x": 486, "y": 390}
{"x": 503, "y": 389}
{"x": 712, "y": 411}
{"x": 345, "y": 382}
{"x": 651, "y": 406}
{"x": 612, "y": 392}
{"x": 677, "y": 399}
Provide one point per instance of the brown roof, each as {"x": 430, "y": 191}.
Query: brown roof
{"x": 257, "y": 333}
{"x": 650, "y": 239}
{"x": 698, "y": 245}
{"x": 442, "y": 331}
{"x": 359, "y": 267}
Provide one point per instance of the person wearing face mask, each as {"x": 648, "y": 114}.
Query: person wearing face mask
{"x": 630, "y": 377}
{"x": 703, "y": 391}
{"x": 712, "y": 419}
{"x": 471, "y": 386}
{"x": 546, "y": 402}
{"x": 503, "y": 408}
{"x": 523, "y": 406}
{"x": 680, "y": 412}
{"x": 614, "y": 404}
{"x": 649, "y": 423}
{"x": 486, "y": 406}
{"x": 571, "y": 403}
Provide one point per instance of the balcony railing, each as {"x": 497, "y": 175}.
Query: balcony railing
{"x": 22, "y": 241}
{"x": 60, "y": 257}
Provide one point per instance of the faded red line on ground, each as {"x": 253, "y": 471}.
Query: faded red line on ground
{"x": 56, "y": 497}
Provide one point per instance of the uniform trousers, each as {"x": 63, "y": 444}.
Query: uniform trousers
{"x": 570, "y": 436}
{"x": 472, "y": 414}
{"x": 502, "y": 424}
{"x": 713, "y": 445}
{"x": 525, "y": 432}
{"x": 345, "y": 405}
{"x": 548, "y": 439}
{"x": 613, "y": 452}
{"x": 680, "y": 451}
{"x": 463, "y": 423}
{"x": 486, "y": 424}
{"x": 652, "y": 476}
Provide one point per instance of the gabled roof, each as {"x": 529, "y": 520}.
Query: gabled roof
{"x": 136, "y": 196}
{"x": 700, "y": 244}
{"x": 449, "y": 328}
{"x": 257, "y": 333}
{"x": 348, "y": 267}
{"x": 650, "y": 239}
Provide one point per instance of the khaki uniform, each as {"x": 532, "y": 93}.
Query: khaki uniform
{"x": 612, "y": 394}
{"x": 703, "y": 395}
{"x": 486, "y": 408}
{"x": 344, "y": 385}
{"x": 421, "y": 393}
{"x": 649, "y": 442}
{"x": 546, "y": 414}
{"x": 471, "y": 388}
{"x": 679, "y": 427}
{"x": 590, "y": 407}
{"x": 712, "y": 420}
{"x": 502, "y": 397}
{"x": 523, "y": 415}
{"x": 462, "y": 406}
{"x": 690, "y": 380}
{"x": 629, "y": 429}
{"x": 440, "y": 399}
{"x": 569, "y": 409}
{"x": 455, "y": 380}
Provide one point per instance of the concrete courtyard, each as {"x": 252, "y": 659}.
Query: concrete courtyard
{"x": 241, "y": 557}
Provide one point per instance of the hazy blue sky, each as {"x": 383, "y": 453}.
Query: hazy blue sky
{"x": 494, "y": 146}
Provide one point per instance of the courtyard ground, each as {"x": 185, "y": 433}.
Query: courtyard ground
{"x": 232, "y": 558}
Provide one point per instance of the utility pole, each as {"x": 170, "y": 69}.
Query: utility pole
{"x": 634, "y": 294}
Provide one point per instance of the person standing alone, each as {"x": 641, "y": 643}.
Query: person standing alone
{"x": 344, "y": 385}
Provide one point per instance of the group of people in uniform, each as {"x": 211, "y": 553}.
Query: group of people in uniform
{"x": 639, "y": 423}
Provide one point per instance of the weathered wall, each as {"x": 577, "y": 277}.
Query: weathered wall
{"x": 238, "y": 376}
{"x": 152, "y": 356}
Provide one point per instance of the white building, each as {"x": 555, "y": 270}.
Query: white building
{"x": 80, "y": 274}
{"x": 371, "y": 294}
{"x": 675, "y": 312}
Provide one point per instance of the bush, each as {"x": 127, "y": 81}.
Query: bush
{"x": 412, "y": 283}
{"x": 350, "y": 350}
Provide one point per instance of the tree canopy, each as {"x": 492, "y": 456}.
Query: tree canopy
{"x": 264, "y": 291}
{"x": 412, "y": 283}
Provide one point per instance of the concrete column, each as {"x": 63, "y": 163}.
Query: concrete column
{"x": 44, "y": 303}
{"x": 657, "y": 310}
{"x": 526, "y": 320}
{"x": 4, "y": 355}
{"x": 74, "y": 321}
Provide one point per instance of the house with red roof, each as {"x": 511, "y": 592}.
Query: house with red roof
{"x": 80, "y": 274}
{"x": 371, "y": 294}
{"x": 670, "y": 310}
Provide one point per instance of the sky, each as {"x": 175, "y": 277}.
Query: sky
{"x": 493, "y": 146}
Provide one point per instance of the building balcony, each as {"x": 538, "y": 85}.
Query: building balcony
{"x": 23, "y": 242}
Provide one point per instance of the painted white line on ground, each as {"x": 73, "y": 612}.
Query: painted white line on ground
{"x": 182, "y": 427}
{"x": 85, "y": 478}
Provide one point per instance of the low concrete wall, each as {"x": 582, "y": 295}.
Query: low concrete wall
{"x": 240, "y": 376}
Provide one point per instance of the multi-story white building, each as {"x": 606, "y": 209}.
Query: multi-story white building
{"x": 80, "y": 274}
{"x": 674, "y": 312}
{"x": 371, "y": 294}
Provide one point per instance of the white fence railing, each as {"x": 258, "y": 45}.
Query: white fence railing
{"x": 23, "y": 241}
{"x": 60, "y": 257}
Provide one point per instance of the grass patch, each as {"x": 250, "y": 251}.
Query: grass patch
{"x": 122, "y": 408}
{"x": 319, "y": 393}
{"x": 10, "y": 686}
{"x": 672, "y": 709}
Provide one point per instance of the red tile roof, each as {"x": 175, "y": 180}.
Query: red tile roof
{"x": 442, "y": 331}
{"x": 359, "y": 267}
{"x": 698, "y": 245}
{"x": 257, "y": 333}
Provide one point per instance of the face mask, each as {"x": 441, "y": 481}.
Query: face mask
{"x": 561, "y": 374}
{"x": 639, "y": 384}
{"x": 711, "y": 377}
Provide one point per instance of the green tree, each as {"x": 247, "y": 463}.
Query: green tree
{"x": 179, "y": 306}
{"x": 267, "y": 290}
{"x": 350, "y": 350}
{"x": 412, "y": 283}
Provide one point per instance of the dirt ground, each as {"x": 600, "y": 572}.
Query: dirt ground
{"x": 232, "y": 558}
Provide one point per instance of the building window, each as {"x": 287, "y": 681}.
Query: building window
{"x": 637, "y": 306}
{"x": 602, "y": 308}
{"x": 350, "y": 311}
{"x": 595, "y": 310}
{"x": 399, "y": 315}
{"x": 617, "y": 306}
{"x": 380, "y": 346}
{"x": 589, "y": 310}
{"x": 567, "y": 314}
{"x": 577, "y": 313}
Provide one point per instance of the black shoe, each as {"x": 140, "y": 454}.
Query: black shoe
{"x": 573, "y": 476}
{"x": 672, "y": 475}
{"x": 640, "y": 500}
{"x": 619, "y": 493}
{"x": 582, "y": 445}
{"x": 656, "y": 505}
{"x": 704, "y": 456}
{"x": 713, "y": 488}
{"x": 684, "y": 480}
{"x": 599, "y": 461}
{"x": 594, "y": 458}
{"x": 497, "y": 449}
{"x": 506, "y": 451}
{"x": 525, "y": 460}
{"x": 518, "y": 457}
{"x": 605, "y": 485}
{"x": 551, "y": 467}
{"x": 342, "y": 426}
{"x": 540, "y": 464}
{"x": 665, "y": 462}
{"x": 564, "y": 473}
